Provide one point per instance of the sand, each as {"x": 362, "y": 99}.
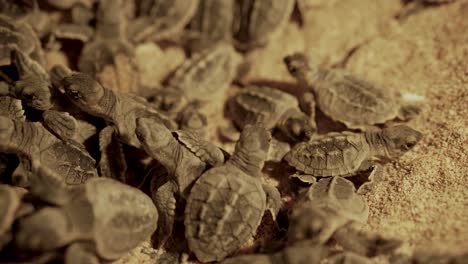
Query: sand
{"x": 423, "y": 197}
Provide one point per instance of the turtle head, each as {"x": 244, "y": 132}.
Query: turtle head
{"x": 151, "y": 133}
{"x": 82, "y": 90}
{"x": 169, "y": 100}
{"x": 308, "y": 223}
{"x": 252, "y": 148}
{"x": 46, "y": 229}
{"x": 296, "y": 126}
{"x": 34, "y": 92}
{"x": 299, "y": 67}
{"x": 400, "y": 139}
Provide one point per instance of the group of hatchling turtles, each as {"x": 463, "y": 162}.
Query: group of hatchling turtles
{"x": 91, "y": 166}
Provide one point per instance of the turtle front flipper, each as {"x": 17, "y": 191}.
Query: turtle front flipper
{"x": 47, "y": 186}
{"x": 273, "y": 200}
{"x": 80, "y": 252}
{"x": 62, "y": 124}
{"x": 112, "y": 163}
{"x": 33, "y": 84}
{"x": 363, "y": 243}
{"x": 163, "y": 194}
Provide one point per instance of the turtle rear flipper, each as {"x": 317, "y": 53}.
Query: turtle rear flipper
{"x": 80, "y": 252}
{"x": 163, "y": 194}
{"x": 273, "y": 201}
{"x": 112, "y": 163}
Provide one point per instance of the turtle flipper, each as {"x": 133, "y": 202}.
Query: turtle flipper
{"x": 165, "y": 201}
{"x": 112, "y": 163}
{"x": 61, "y": 124}
{"x": 47, "y": 186}
{"x": 372, "y": 178}
{"x": 78, "y": 253}
{"x": 273, "y": 200}
{"x": 365, "y": 244}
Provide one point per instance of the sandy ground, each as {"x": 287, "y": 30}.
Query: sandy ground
{"x": 423, "y": 198}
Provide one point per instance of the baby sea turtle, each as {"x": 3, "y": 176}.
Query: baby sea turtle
{"x": 274, "y": 109}
{"x": 227, "y": 203}
{"x": 200, "y": 81}
{"x": 109, "y": 56}
{"x": 161, "y": 19}
{"x": 345, "y": 97}
{"x": 120, "y": 109}
{"x": 30, "y": 139}
{"x": 211, "y": 24}
{"x": 184, "y": 155}
{"x": 328, "y": 209}
{"x": 102, "y": 218}
{"x": 346, "y": 153}
{"x": 255, "y": 21}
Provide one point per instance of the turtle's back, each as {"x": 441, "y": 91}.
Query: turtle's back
{"x": 71, "y": 162}
{"x": 223, "y": 211}
{"x": 261, "y": 104}
{"x": 123, "y": 216}
{"x": 353, "y": 101}
{"x": 336, "y": 154}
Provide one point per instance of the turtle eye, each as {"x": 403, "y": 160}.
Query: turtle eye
{"x": 75, "y": 95}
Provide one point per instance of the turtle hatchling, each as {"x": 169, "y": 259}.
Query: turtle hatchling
{"x": 332, "y": 208}
{"x": 71, "y": 162}
{"x": 120, "y": 109}
{"x": 347, "y": 153}
{"x": 102, "y": 218}
{"x": 347, "y": 98}
{"x": 185, "y": 156}
{"x": 274, "y": 109}
{"x": 227, "y": 203}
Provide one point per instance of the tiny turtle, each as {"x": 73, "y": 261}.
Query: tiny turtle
{"x": 109, "y": 56}
{"x": 255, "y": 21}
{"x": 211, "y": 24}
{"x": 347, "y": 153}
{"x": 102, "y": 218}
{"x": 120, "y": 109}
{"x": 227, "y": 203}
{"x": 273, "y": 108}
{"x": 184, "y": 155}
{"x": 345, "y": 97}
{"x": 161, "y": 19}
{"x": 32, "y": 140}
{"x": 200, "y": 81}
{"x": 330, "y": 208}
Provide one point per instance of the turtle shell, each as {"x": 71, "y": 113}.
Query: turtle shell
{"x": 207, "y": 74}
{"x": 71, "y": 162}
{"x": 353, "y": 101}
{"x": 261, "y": 104}
{"x": 335, "y": 154}
{"x": 9, "y": 202}
{"x": 123, "y": 216}
{"x": 223, "y": 211}
{"x": 339, "y": 194}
